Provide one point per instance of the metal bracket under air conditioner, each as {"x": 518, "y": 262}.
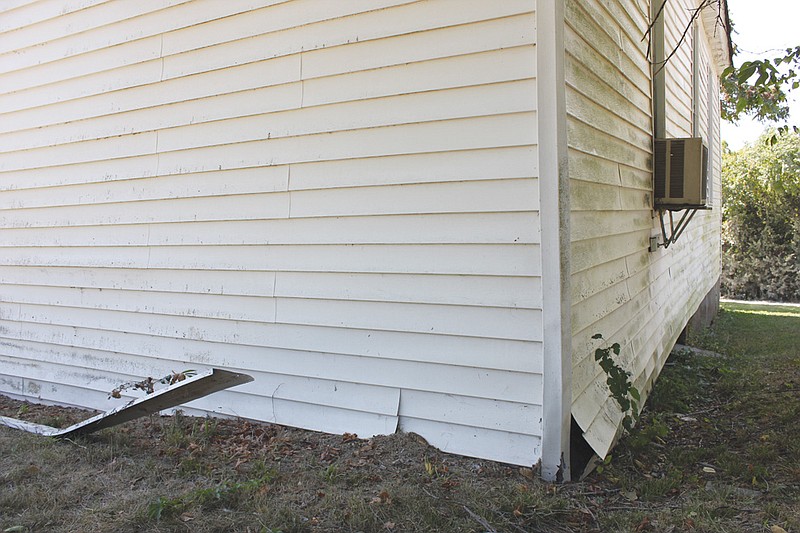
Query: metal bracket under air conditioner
{"x": 675, "y": 230}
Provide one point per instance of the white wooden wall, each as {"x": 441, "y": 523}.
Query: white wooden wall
{"x": 337, "y": 197}
{"x": 639, "y": 299}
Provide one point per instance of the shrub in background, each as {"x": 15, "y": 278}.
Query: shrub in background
{"x": 761, "y": 219}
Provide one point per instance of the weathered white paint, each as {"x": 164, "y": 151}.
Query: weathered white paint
{"x": 554, "y": 190}
{"x": 641, "y": 300}
{"x": 344, "y": 200}
{"x": 338, "y": 198}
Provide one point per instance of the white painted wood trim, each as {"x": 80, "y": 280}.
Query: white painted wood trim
{"x": 555, "y": 238}
{"x": 717, "y": 37}
{"x": 659, "y": 74}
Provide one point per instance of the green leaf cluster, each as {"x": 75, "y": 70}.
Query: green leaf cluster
{"x": 618, "y": 381}
{"x": 758, "y": 88}
{"x": 761, "y": 219}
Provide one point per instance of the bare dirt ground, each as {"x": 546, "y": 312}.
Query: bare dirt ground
{"x": 716, "y": 450}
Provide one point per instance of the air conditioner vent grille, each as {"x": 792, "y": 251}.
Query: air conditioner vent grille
{"x": 677, "y": 160}
{"x": 680, "y": 173}
{"x": 705, "y": 173}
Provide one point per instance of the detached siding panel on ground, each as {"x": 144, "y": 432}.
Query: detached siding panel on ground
{"x": 641, "y": 300}
{"x": 339, "y": 198}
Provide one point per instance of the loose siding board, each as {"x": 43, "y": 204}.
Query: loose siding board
{"x": 342, "y": 201}
{"x": 639, "y": 299}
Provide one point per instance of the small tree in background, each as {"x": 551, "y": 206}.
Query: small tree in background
{"x": 761, "y": 219}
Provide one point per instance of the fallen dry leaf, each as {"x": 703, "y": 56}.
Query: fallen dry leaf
{"x": 644, "y": 525}
{"x": 381, "y": 499}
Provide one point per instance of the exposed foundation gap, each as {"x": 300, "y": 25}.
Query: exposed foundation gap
{"x": 583, "y": 460}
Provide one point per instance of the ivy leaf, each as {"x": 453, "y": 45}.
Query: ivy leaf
{"x": 634, "y": 392}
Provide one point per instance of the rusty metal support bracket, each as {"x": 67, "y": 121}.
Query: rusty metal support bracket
{"x": 179, "y": 393}
{"x": 675, "y": 230}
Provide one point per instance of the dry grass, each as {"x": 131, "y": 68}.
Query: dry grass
{"x": 736, "y": 415}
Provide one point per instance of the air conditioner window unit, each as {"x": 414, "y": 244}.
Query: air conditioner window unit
{"x": 680, "y": 173}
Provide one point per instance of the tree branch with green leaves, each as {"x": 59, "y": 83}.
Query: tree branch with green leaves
{"x": 759, "y": 88}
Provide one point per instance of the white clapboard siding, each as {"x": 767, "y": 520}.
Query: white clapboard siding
{"x": 341, "y": 394}
{"x": 73, "y": 31}
{"x": 641, "y": 300}
{"x": 418, "y": 229}
{"x": 339, "y": 198}
{"x": 130, "y": 53}
{"x": 465, "y": 133}
{"x": 468, "y": 440}
{"x": 505, "y": 291}
{"x": 327, "y": 57}
{"x": 21, "y": 13}
{"x": 212, "y": 183}
{"x": 205, "y": 123}
{"x": 78, "y": 33}
{"x": 90, "y": 84}
{"x": 491, "y": 196}
{"x": 260, "y": 77}
{"x": 105, "y": 56}
{"x": 523, "y": 324}
{"x": 253, "y": 79}
{"x": 337, "y": 23}
{"x": 256, "y": 101}
{"x": 495, "y": 414}
{"x": 313, "y": 416}
{"x": 466, "y": 259}
{"x": 253, "y": 283}
{"x": 9, "y": 5}
{"x": 371, "y": 369}
{"x": 70, "y": 387}
{"x": 134, "y": 179}
{"x": 191, "y": 345}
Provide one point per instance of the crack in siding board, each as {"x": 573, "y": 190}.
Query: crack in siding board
{"x": 272, "y": 401}
{"x": 289, "y": 191}
{"x": 161, "y": 59}
{"x": 302, "y": 81}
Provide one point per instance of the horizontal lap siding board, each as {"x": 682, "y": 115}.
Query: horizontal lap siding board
{"x": 639, "y": 299}
{"x": 342, "y": 201}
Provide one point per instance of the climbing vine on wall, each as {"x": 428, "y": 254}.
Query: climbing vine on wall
{"x": 618, "y": 381}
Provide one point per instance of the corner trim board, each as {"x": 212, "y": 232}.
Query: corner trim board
{"x": 555, "y": 240}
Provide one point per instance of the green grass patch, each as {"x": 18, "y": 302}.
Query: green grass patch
{"x": 716, "y": 450}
